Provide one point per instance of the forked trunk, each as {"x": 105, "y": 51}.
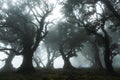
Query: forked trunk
{"x": 67, "y": 63}
{"x": 8, "y": 63}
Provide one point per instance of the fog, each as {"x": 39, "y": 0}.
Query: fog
{"x": 77, "y": 62}
{"x": 67, "y": 34}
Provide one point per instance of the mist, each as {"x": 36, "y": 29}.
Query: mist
{"x": 64, "y": 36}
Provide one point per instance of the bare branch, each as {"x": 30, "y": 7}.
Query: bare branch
{"x": 37, "y": 27}
{"x": 10, "y": 49}
{"x": 37, "y": 12}
{"x": 3, "y": 59}
{"x": 35, "y": 16}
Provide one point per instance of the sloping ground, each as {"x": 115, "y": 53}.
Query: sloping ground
{"x": 58, "y": 75}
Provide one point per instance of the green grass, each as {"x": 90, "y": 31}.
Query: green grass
{"x": 59, "y": 75}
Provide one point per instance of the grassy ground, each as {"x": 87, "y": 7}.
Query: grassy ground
{"x": 59, "y": 75}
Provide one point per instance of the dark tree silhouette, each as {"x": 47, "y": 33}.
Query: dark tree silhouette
{"x": 24, "y": 26}
{"x": 79, "y": 12}
{"x": 64, "y": 38}
{"x": 29, "y": 34}
{"x": 51, "y": 56}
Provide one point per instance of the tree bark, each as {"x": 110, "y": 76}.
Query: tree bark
{"x": 49, "y": 61}
{"x": 107, "y": 54}
{"x": 98, "y": 63}
{"x": 27, "y": 53}
{"x": 27, "y": 65}
{"x": 8, "y": 63}
{"x": 67, "y": 63}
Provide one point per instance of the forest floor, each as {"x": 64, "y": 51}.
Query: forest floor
{"x": 59, "y": 75}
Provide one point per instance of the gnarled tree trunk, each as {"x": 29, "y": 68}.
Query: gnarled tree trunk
{"x": 27, "y": 65}
{"x": 27, "y": 53}
{"x": 67, "y": 63}
{"x": 8, "y": 63}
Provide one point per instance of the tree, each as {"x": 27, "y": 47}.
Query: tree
{"x": 85, "y": 14}
{"x": 30, "y": 26}
{"x": 46, "y": 56}
{"x": 65, "y": 38}
{"x": 52, "y": 54}
{"x": 90, "y": 51}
